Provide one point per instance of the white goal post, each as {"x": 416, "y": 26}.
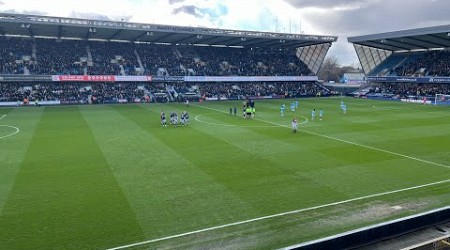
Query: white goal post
{"x": 441, "y": 99}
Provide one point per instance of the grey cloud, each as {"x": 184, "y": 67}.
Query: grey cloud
{"x": 175, "y": 1}
{"x": 376, "y": 17}
{"x": 383, "y": 16}
{"x": 35, "y": 12}
{"x": 27, "y": 12}
{"x": 188, "y": 9}
{"x": 1, "y": 3}
{"x": 325, "y": 3}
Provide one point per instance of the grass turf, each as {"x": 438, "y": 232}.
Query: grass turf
{"x": 95, "y": 177}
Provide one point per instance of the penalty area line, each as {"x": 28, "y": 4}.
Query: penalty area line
{"x": 278, "y": 215}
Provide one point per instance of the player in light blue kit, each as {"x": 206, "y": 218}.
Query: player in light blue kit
{"x": 320, "y": 114}
{"x": 313, "y": 114}
{"x": 282, "y": 108}
{"x": 292, "y": 106}
{"x": 296, "y": 104}
{"x": 344, "y": 109}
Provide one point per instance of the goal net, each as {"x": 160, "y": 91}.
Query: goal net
{"x": 442, "y": 99}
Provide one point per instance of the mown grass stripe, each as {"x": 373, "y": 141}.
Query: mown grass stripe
{"x": 14, "y": 145}
{"x": 65, "y": 196}
{"x": 165, "y": 189}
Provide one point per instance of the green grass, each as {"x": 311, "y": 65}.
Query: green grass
{"x": 97, "y": 177}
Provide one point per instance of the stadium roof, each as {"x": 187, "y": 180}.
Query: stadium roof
{"x": 60, "y": 27}
{"x": 407, "y": 40}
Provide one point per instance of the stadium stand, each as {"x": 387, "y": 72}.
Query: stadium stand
{"x": 129, "y": 92}
{"x": 15, "y": 54}
{"x": 67, "y": 57}
{"x": 407, "y": 90}
{"x": 68, "y": 61}
{"x": 410, "y": 65}
{"x": 434, "y": 63}
{"x": 56, "y": 57}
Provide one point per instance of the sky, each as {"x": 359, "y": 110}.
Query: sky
{"x": 342, "y": 18}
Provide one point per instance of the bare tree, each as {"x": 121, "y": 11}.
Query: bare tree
{"x": 331, "y": 70}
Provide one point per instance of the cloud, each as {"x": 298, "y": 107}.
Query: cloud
{"x": 93, "y": 16}
{"x": 187, "y": 9}
{"x": 26, "y": 12}
{"x": 213, "y": 12}
{"x": 370, "y": 17}
{"x": 175, "y": 1}
{"x": 35, "y": 12}
{"x": 341, "y": 18}
{"x": 327, "y": 4}
{"x": 382, "y": 17}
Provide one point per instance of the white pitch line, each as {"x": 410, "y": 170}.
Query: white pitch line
{"x": 278, "y": 215}
{"x": 349, "y": 142}
{"x": 298, "y": 210}
{"x": 388, "y": 108}
{"x": 13, "y": 133}
{"x": 197, "y": 118}
{"x": 9, "y": 126}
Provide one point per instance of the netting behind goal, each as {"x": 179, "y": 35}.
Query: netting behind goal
{"x": 441, "y": 99}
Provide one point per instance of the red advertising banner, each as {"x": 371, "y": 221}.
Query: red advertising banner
{"x": 82, "y": 78}
{"x": 100, "y": 78}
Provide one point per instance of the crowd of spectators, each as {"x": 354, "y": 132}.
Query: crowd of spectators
{"x": 146, "y": 92}
{"x": 108, "y": 56}
{"x": 245, "y": 62}
{"x": 12, "y": 52}
{"x": 435, "y": 63}
{"x": 74, "y": 57}
{"x": 73, "y": 92}
{"x": 156, "y": 56}
{"x": 259, "y": 89}
{"x": 59, "y": 57}
{"x": 412, "y": 90}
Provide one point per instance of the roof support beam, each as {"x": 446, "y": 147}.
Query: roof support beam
{"x": 384, "y": 46}
{"x": 139, "y": 36}
{"x": 30, "y": 32}
{"x": 427, "y": 44}
{"x": 226, "y": 41}
{"x": 59, "y": 35}
{"x": 163, "y": 37}
{"x": 405, "y": 41}
{"x": 442, "y": 42}
{"x": 115, "y": 34}
{"x": 186, "y": 39}
{"x": 398, "y": 44}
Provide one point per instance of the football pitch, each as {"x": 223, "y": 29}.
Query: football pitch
{"x": 110, "y": 176}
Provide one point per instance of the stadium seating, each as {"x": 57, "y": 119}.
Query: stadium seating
{"x": 15, "y": 55}
{"x": 409, "y": 90}
{"x": 69, "y": 57}
{"x": 141, "y": 92}
{"x": 433, "y": 63}
{"x": 58, "y": 57}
